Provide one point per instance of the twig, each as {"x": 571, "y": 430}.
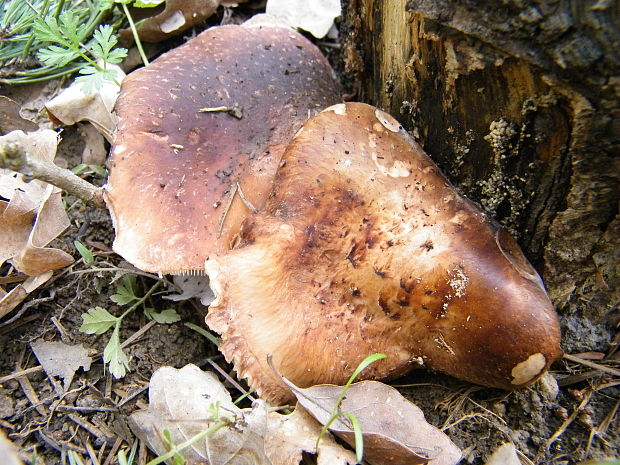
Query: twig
{"x": 467, "y": 416}
{"x": 113, "y": 451}
{"x": 89, "y": 447}
{"x": 88, "y": 426}
{"x": 132, "y": 396}
{"x": 17, "y": 278}
{"x": 31, "y": 395}
{"x": 26, "y": 306}
{"x": 598, "y": 366}
{"x": 71, "y": 408}
{"x": 602, "y": 428}
{"x": 231, "y": 197}
{"x": 235, "y": 111}
{"x": 14, "y": 157}
{"x": 569, "y": 420}
{"x": 18, "y": 374}
{"x": 229, "y": 379}
{"x": 131, "y": 271}
{"x": 135, "y": 336}
{"x": 247, "y": 203}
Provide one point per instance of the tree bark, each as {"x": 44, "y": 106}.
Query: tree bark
{"x": 518, "y": 102}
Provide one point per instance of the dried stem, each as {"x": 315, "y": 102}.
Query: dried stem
{"x": 14, "y": 157}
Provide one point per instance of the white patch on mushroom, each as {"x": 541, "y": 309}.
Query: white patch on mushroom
{"x": 458, "y": 281}
{"x": 372, "y": 140}
{"x": 339, "y": 109}
{"x": 119, "y": 149}
{"x": 212, "y": 269}
{"x": 398, "y": 170}
{"x": 387, "y": 120}
{"x": 459, "y": 218}
{"x": 527, "y": 370}
{"x": 174, "y": 22}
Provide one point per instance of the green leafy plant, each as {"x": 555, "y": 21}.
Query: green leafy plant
{"x": 85, "y": 253}
{"x": 66, "y": 44}
{"x": 98, "y": 321}
{"x": 132, "y": 26}
{"x": 68, "y": 36}
{"x": 337, "y": 412}
{"x": 174, "y": 450}
{"x": 202, "y": 331}
{"x": 122, "y": 456}
{"x": 177, "y": 458}
{"x": 84, "y": 169}
{"x": 20, "y": 40}
{"x": 74, "y": 458}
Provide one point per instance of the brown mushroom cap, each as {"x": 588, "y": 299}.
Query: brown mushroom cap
{"x": 174, "y": 167}
{"x": 364, "y": 247}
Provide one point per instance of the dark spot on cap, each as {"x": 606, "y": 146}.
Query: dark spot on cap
{"x": 380, "y": 273}
{"x": 428, "y": 245}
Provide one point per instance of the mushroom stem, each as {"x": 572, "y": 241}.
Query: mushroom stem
{"x": 13, "y": 156}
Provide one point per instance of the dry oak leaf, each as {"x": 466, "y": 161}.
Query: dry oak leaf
{"x": 11, "y": 119}
{"x": 394, "y": 429}
{"x": 183, "y": 401}
{"x": 59, "y": 359}
{"x": 314, "y": 16}
{"x": 31, "y": 213}
{"x": 8, "y": 451}
{"x": 73, "y": 105}
{"x": 506, "y": 454}
{"x": 10, "y": 300}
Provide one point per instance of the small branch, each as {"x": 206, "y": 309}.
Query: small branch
{"x": 20, "y": 373}
{"x": 596, "y": 366}
{"x": 14, "y": 157}
{"x": 235, "y": 111}
{"x": 247, "y": 203}
{"x": 231, "y": 197}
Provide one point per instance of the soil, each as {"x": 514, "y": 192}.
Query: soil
{"x": 566, "y": 418}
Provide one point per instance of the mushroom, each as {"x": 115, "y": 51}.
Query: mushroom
{"x": 363, "y": 247}
{"x": 200, "y": 134}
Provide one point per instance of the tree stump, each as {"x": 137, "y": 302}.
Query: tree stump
{"x": 518, "y": 102}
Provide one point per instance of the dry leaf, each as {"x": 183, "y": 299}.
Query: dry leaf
{"x": 314, "y": 16}
{"x": 95, "y": 151}
{"x": 73, "y": 105}
{"x": 506, "y": 454}
{"x": 34, "y": 214}
{"x": 59, "y": 359}
{"x": 8, "y": 451}
{"x": 288, "y": 435}
{"x": 10, "y": 118}
{"x": 10, "y": 300}
{"x": 177, "y": 16}
{"x": 183, "y": 401}
{"x": 394, "y": 429}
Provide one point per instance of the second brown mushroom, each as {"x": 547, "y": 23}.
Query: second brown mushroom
{"x": 201, "y": 131}
{"x": 364, "y": 247}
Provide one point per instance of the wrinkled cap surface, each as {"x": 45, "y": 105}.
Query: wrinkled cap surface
{"x": 176, "y": 159}
{"x": 364, "y": 247}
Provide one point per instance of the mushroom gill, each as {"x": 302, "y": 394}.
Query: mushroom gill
{"x": 363, "y": 247}
{"x": 201, "y": 129}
